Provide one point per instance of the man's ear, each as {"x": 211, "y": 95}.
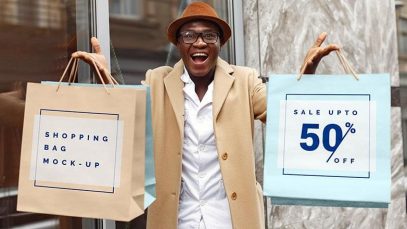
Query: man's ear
{"x": 177, "y": 44}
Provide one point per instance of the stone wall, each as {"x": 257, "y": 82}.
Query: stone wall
{"x": 277, "y": 35}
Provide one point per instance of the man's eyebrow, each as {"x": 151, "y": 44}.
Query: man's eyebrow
{"x": 205, "y": 30}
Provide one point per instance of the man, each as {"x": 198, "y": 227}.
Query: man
{"x": 203, "y": 111}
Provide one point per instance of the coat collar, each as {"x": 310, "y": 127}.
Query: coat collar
{"x": 174, "y": 85}
{"x": 223, "y": 82}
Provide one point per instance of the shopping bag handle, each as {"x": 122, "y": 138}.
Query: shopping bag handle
{"x": 344, "y": 62}
{"x": 73, "y": 67}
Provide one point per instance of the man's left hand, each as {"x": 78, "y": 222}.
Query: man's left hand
{"x": 316, "y": 53}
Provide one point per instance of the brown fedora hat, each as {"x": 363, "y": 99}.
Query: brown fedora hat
{"x": 198, "y": 11}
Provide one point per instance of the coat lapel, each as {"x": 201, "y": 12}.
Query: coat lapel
{"x": 222, "y": 84}
{"x": 174, "y": 87}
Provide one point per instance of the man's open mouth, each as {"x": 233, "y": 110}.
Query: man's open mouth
{"x": 199, "y": 57}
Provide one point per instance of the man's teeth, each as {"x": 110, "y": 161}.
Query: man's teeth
{"x": 199, "y": 54}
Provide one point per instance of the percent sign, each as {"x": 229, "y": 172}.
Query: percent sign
{"x": 339, "y": 137}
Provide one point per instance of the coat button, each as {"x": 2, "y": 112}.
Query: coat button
{"x": 234, "y": 196}
{"x": 225, "y": 156}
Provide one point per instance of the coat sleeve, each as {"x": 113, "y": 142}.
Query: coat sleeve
{"x": 259, "y": 97}
{"x": 147, "y": 80}
{"x": 156, "y": 75}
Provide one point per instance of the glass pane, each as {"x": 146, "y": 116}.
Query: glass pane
{"x": 37, "y": 40}
{"x": 114, "y": 6}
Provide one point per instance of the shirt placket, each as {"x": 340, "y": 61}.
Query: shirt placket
{"x": 195, "y": 106}
{"x": 201, "y": 150}
{"x": 201, "y": 118}
{"x": 200, "y": 162}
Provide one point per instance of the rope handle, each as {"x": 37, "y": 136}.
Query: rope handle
{"x": 344, "y": 62}
{"x": 73, "y": 66}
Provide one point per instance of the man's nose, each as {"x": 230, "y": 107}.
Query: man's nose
{"x": 200, "y": 42}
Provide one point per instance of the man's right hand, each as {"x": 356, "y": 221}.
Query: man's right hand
{"x": 97, "y": 57}
{"x": 316, "y": 53}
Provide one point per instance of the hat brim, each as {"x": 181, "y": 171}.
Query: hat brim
{"x": 175, "y": 25}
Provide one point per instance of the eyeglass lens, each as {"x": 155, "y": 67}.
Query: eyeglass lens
{"x": 190, "y": 37}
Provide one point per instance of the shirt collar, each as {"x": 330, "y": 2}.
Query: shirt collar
{"x": 185, "y": 77}
{"x": 189, "y": 89}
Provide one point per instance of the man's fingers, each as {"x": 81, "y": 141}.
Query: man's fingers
{"x": 87, "y": 57}
{"x": 83, "y": 56}
{"x": 96, "y": 45}
{"x": 331, "y": 47}
{"x": 321, "y": 38}
{"x": 75, "y": 55}
{"x": 328, "y": 49}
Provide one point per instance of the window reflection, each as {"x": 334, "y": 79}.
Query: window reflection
{"x": 131, "y": 9}
{"x": 37, "y": 38}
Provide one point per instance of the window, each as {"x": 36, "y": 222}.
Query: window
{"x": 131, "y": 9}
{"x": 38, "y": 37}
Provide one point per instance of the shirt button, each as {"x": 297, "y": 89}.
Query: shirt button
{"x": 201, "y": 148}
{"x": 201, "y": 175}
{"x": 224, "y": 156}
{"x": 234, "y": 196}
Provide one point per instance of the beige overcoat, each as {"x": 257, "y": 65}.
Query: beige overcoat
{"x": 239, "y": 98}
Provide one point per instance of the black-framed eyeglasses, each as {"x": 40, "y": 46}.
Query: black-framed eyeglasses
{"x": 189, "y": 37}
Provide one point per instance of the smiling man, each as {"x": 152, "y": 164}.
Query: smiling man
{"x": 204, "y": 130}
{"x": 203, "y": 110}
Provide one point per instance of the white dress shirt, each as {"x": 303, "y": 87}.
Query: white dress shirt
{"x": 203, "y": 202}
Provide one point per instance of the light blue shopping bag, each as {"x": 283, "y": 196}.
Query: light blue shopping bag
{"x": 150, "y": 182}
{"x": 328, "y": 140}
